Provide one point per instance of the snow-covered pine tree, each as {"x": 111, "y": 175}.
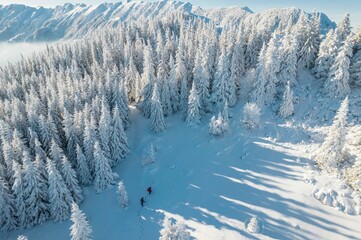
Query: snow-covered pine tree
{"x": 287, "y": 107}
{"x": 237, "y": 72}
{"x": 148, "y": 79}
{"x": 60, "y": 197}
{"x": 83, "y": 172}
{"x": 219, "y": 95}
{"x": 272, "y": 67}
{"x": 337, "y": 83}
{"x": 309, "y": 50}
{"x": 35, "y": 208}
{"x": 181, "y": 75}
{"x": 288, "y": 67}
{"x": 104, "y": 176}
{"x": 251, "y": 115}
{"x": 258, "y": 93}
{"x": 71, "y": 180}
{"x": 164, "y": 86}
{"x": 122, "y": 195}
{"x": 343, "y": 29}
{"x": 80, "y": 229}
{"x": 104, "y": 130}
{"x": 123, "y": 105}
{"x": 19, "y": 194}
{"x": 331, "y": 154}
{"x": 7, "y": 210}
{"x": 56, "y": 154}
{"x": 119, "y": 143}
{"x": 326, "y": 56}
{"x": 43, "y": 186}
{"x": 225, "y": 116}
{"x": 194, "y": 107}
{"x": 355, "y": 68}
{"x": 90, "y": 136}
{"x": 156, "y": 115}
{"x": 201, "y": 83}
{"x": 173, "y": 84}
{"x": 71, "y": 136}
{"x": 176, "y": 231}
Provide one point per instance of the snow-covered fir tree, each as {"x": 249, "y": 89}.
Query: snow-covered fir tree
{"x": 35, "y": 206}
{"x": 288, "y": 65}
{"x": 60, "y": 197}
{"x": 309, "y": 50}
{"x": 194, "y": 107}
{"x": 80, "y": 229}
{"x": 330, "y": 156}
{"x": 156, "y": 115}
{"x": 104, "y": 131}
{"x": 19, "y": 194}
{"x": 7, "y": 211}
{"x": 287, "y": 107}
{"x": 104, "y": 176}
{"x": 119, "y": 143}
{"x": 122, "y": 195}
{"x": 83, "y": 171}
{"x": 326, "y": 56}
{"x": 148, "y": 79}
{"x": 337, "y": 84}
{"x": 71, "y": 180}
{"x": 200, "y": 82}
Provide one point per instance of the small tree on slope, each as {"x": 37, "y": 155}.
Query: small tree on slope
{"x": 331, "y": 153}
{"x": 80, "y": 230}
{"x": 287, "y": 108}
{"x": 251, "y": 115}
{"x": 177, "y": 231}
{"x": 122, "y": 195}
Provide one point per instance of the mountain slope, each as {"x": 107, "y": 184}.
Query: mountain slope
{"x": 214, "y": 184}
{"x": 24, "y": 23}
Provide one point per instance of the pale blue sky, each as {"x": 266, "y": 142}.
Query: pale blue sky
{"x": 335, "y": 9}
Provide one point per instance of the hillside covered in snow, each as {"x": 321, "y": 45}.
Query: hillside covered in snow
{"x": 24, "y": 23}
{"x": 245, "y": 125}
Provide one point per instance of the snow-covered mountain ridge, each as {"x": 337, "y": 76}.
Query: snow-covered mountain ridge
{"x": 25, "y": 23}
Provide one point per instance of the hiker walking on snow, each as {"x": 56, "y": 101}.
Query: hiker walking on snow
{"x": 142, "y": 201}
{"x": 149, "y": 190}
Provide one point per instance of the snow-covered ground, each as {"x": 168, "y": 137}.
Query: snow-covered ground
{"x": 216, "y": 185}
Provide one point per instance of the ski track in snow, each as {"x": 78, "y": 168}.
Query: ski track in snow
{"x": 214, "y": 184}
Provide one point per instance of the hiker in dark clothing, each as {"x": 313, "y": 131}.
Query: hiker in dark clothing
{"x": 149, "y": 190}
{"x": 142, "y": 201}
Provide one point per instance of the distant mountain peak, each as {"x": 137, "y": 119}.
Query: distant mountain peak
{"x": 23, "y": 23}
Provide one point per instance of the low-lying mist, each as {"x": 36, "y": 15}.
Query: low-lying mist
{"x": 11, "y": 52}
